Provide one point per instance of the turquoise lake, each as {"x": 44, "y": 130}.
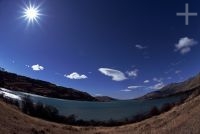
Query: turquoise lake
{"x": 102, "y": 111}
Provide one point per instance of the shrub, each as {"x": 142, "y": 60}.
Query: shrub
{"x": 154, "y": 111}
{"x": 138, "y": 118}
{"x": 71, "y": 119}
{"x": 1, "y": 96}
{"x": 166, "y": 107}
{"x": 27, "y": 105}
{"x": 2, "y": 83}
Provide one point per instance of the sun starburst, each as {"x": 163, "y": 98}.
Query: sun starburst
{"x": 31, "y": 13}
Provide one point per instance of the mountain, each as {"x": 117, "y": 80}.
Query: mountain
{"x": 105, "y": 98}
{"x": 175, "y": 88}
{"x": 16, "y": 82}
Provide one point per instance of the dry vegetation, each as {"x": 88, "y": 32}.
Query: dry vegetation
{"x": 181, "y": 119}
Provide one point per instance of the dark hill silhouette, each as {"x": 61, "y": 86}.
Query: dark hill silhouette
{"x": 105, "y": 98}
{"x": 175, "y": 88}
{"x": 16, "y": 82}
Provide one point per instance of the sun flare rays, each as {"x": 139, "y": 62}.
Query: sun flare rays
{"x": 31, "y": 13}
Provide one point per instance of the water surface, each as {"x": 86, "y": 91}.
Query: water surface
{"x": 102, "y": 111}
{"x": 116, "y": 110}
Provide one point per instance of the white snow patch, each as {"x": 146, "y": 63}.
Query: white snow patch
{"x": 8, "y": 94}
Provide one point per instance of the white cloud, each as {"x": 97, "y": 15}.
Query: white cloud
{"x": 140, "y": 47}
{"x": 146, "y": 81}
{"x": 75, "y": 76}
{"x": 184, "y": 45}
{"x": 158, "y": 86}
{"x": 130, "y": 88}
{"x": 133, "y": 73}
{"x": 134, "y": 87}
{"x": 27, "y": 66}
{"x": 126, "y": 90}
{"x": 37, "y": 67}
{"x": 115, "y": 74}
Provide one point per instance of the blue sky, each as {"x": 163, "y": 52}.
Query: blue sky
{"x": 117, "y": 48}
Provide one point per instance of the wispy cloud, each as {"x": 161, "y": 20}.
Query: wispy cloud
{"x": 177, "y": 71}
{"x": 176, "y": 63}
{"x": 115, "y": 74}
{"x": 146, "y": 81}
{"x": 76, "y": 76}
{"x": 157, "y": 79}
{"x": 98, "y": 95}
{"x": 184, "y": 45}
{"x": 138, "y": 46}
{"x": 132, "y": 73}
{"x": 37, "y": 67}
{"x": 27, "y": 66}
{"x": 126, "y": 90}
{"x": 134, "y": 87}
{"x": 158, "y": 86}
{"x": 131, "y": 88}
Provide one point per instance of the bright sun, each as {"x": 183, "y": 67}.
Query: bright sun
{"x": 31, "y": 13}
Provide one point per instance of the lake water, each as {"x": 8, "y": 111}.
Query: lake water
{"x": 102, "y": 111}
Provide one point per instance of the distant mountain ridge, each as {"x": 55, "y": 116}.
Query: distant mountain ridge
{"x": 175, "y": 88}
{"x": 105, "y": 98}
{"x": 16, "y": 82}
